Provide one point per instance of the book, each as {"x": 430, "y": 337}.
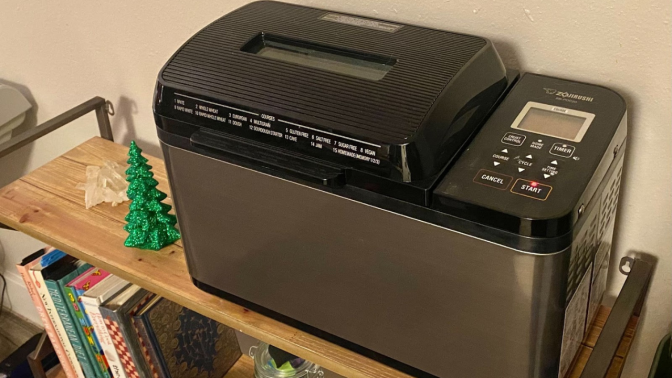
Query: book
{"x": 24, "y": 270}
{"x": 73, "y": 290}
{"x": 117, "y": 313}
{"x": 55, "y": 276}
{"x": 91, "y": 301}
{"x": 146, "y": 344}
{"x": 190, "y": 344}
{"x": 50, "y": 310}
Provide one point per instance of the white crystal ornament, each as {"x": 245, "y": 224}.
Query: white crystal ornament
{"x": 104, "y": 184}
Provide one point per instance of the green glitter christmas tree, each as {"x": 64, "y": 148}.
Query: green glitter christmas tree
{"x": 149, "y": 224}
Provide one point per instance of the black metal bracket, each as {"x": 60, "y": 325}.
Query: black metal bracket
{"x": 628, "y": 304}
{"x": 97, "y": 104}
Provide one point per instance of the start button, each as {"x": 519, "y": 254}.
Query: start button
{"x": 494, "y": 179}
{"x": 531, "y": 189}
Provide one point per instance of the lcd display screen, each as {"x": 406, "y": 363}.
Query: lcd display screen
{"x": 552, "y": 123}
{"x": 349, "y": 63}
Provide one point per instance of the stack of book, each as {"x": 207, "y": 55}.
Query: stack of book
{"x": 104, "y": 327}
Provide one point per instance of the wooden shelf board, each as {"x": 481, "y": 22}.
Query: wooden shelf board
{"x": 45, "y": 205}
{"x": 243, "y": 368}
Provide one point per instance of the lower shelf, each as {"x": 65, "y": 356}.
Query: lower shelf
{"x": 44, "y": 204}
{"x": 244, "y": 368}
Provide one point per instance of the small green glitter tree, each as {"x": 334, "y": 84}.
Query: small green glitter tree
{"x": 149, "y": 224}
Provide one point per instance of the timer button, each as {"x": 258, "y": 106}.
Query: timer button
{"x": 513, "y": 139}
{"x": 531, "y": 189}
{"x": 563, "y": 150}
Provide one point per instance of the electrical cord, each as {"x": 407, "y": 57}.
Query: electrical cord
{"x": 2, "y": 293}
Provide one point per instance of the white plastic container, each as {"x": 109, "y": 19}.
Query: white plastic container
{"x": 13, "y": 108}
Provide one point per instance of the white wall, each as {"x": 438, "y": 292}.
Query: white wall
{"x": 68, "y": 51}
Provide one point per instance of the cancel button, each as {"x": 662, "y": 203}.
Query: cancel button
{"x": 494, "y": 179}
{"x": 531, "y": 189}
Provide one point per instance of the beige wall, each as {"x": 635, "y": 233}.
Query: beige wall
{"x": 64, "y": 52}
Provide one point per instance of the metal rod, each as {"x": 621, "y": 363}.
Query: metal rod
{"x": 628, "y": 303}
{"x": 104, "y": 122}
{"x": 97, "y": 103}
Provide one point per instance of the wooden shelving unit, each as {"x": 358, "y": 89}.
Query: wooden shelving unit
{"x": 45, "y": 205}
{"x": 244, "y": 368}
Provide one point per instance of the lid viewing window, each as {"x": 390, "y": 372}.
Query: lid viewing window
{"x": 350, "y": 63}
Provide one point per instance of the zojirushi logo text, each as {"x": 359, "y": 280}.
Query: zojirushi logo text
{"x": 555, "y": 92}
{"x": 574, "y": 96}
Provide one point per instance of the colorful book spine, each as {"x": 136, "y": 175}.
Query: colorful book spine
{"x": 71, "y": 328}
{"x": 136, "y": 348}
{"x": 24, "y": 271}
{"x": 85, "y": 329}
{"x": 119, "y": 325}
{"x": 112, "y": 323}
{"x": 147, "y": 346}
{"x": 92, "y": 308}
{"x": 59, "y": 328}
{"x": 93, "y": 277}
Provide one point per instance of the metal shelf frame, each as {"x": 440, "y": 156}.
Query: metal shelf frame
{"x": 628, "y": 304}
{"x": 97, "y": 104}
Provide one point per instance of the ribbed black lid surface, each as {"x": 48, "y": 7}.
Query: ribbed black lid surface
{"x": 389, "y": 110}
